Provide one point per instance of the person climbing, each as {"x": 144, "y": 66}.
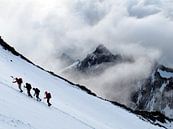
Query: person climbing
{"x": 48, "y": 97}
{"x": 28, "y": 88}
{"x": 19, "y": 81}
{"x": 36, "y": 93}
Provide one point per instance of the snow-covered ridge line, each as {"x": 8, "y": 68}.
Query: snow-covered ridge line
{"x": 13, "y": 51}
{"x": 152, "y": 119}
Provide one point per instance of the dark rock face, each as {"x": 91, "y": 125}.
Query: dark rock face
{"x": 99, "y": 56}
{"x": 156, "y": 93}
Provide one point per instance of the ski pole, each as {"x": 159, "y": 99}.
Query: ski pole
{"x": 12, "y": 77}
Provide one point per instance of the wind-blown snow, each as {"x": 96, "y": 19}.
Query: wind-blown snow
{"x": 72, "y": 108}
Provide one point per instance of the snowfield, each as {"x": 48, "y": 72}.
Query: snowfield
{"x": 72, "y": 108}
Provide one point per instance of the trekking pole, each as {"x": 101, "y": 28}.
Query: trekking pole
{"x": 12, "y": 77}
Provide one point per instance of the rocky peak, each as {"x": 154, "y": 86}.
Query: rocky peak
{"x": 101, "y": 49}
{"x": 101, "y": 55}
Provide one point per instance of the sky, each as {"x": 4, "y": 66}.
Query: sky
{"x": 43, "y": 30}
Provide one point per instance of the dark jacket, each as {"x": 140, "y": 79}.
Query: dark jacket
{"x": 36, "y": 90}
{"x": 28, "y": 86}
{"x": 18, "y": 80}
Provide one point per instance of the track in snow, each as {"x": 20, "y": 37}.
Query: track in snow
{"x": 52, "y": 107}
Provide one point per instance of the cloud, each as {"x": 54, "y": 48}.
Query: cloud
{"x": 118, "y": 82}
{"x": 43, "y": 30}
{"x": 144, "y": 8}
{"x": 91, "y": 11}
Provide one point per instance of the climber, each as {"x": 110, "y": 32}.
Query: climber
{"x": 19, "y": 81}
{"x": 48, "y": 97}
{"x": 28, "y": 88}
{"x": 36, "y": 93}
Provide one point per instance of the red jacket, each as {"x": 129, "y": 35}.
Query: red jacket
{"x": 48, "y": 95}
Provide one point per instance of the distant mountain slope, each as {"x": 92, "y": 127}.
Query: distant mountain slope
{"x": 156, "y": 94}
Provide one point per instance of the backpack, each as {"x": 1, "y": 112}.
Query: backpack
{"x": 37, "y": 90}
{"x": 19, "y": 80}
{"x": 28, "y": 86}
{"x": 48, "y": 95}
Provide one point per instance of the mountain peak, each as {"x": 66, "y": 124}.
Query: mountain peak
{"x": 101, "y": 49}
{"x": 100, "y": 56}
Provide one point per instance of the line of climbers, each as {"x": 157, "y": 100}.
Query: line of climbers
{"x": 28, "y": 87}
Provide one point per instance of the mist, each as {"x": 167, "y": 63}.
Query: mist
{"x": 118, "y": 82}
{"x": 43, "y": 31}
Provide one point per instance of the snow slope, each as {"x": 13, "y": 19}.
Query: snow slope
{"x": 72, "y": 108}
